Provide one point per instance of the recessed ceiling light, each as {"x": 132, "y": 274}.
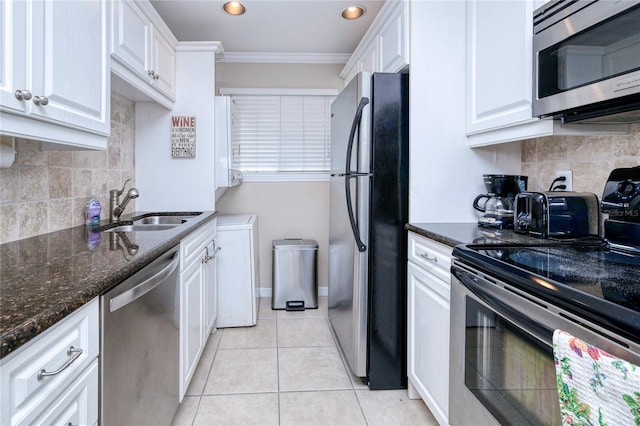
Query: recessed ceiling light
{"x": 233, "y": 8}
{"x": 353, "y": 12}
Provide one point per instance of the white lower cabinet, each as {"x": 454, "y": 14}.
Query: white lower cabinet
{"x": 78, "y": 405}
{"x": 192, "y": 322}
{"x": 197, "y": 289}
{"x": 428, "y": 324}
{"x": 210, "y": 271}
{"x": 53, "y": 379}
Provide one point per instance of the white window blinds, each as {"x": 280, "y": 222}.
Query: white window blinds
{"x": 281, "y": 133}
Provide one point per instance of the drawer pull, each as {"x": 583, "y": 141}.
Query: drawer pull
{"x": 71, "y": 351}
{"x": 425, "y": 256}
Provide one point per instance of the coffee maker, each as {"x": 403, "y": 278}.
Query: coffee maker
{"x": 499, "y": 200}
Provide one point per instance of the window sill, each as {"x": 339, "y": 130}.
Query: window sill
{"x": 284, "y": 177}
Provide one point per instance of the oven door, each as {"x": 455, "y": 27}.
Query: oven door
{"x": 501, "y": 359}
{"x": 586, "y": 57}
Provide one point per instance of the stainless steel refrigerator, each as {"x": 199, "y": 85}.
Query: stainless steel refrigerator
{"x": 368, "y": 242}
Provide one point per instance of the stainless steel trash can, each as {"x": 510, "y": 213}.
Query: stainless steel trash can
{"x": 294, "y": 274}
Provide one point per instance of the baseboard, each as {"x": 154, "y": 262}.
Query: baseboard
{"x": 267, "y": 291}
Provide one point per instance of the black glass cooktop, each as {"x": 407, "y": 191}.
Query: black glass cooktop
{"x": 590, "y": 280}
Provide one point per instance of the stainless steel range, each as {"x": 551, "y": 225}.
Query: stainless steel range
{"x": 506, "y": 302}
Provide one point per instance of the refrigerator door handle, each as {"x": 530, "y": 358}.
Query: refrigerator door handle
{"x": 354, "y": 226}
{"x": 349, "y": 174}
{"x": 352, "y": 135}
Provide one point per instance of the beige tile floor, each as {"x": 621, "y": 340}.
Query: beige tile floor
{"x": 287, "y": 370}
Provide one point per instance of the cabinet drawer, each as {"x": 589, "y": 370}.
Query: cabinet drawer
{"x": 192, "y": 246}
{"x": 430, "y": 255}
{"x": 26, "y": 390}
{"x": 78, "y": 405}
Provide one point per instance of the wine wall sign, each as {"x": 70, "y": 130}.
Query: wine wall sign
{"x": 183, "y": 137}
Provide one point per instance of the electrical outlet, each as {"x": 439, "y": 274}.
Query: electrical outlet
{"x": 568, "y": 179}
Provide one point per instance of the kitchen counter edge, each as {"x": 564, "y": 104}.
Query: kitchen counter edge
{"x": 453, "y": 234}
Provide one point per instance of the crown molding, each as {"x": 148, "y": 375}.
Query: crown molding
{"x": 284, "y": 58}
{"x": 200, "y": 46}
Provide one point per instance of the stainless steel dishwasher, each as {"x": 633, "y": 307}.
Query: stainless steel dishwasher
{"x": 140, "y": 346}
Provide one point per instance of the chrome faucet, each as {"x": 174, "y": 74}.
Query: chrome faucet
{"x": 115, "y": 207}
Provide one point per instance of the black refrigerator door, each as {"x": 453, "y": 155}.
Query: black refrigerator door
{"x": 389, "y": 213}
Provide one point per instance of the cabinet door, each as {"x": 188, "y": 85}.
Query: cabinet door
{"x": 13, "y": 48}
{"x": 163, "y": 64}
{"x": 499, "y": 63}
{"x": 192, "y": 322}
{"x": 70, "y": 65}
{"x": 131, "y": 30}
{"x": 370, "y": 59}
{"x": 428, "y": 340}
{"x": 210, "y": 288}
{"x": 78, "y": 405}
{"x": 392, "y": 43}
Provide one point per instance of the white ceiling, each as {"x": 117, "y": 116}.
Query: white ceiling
{"x": 270, "y": 26}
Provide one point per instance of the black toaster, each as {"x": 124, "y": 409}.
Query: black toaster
{"x": 565, "y": 214}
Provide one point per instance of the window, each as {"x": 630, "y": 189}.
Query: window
{"x": 281, "y": 133}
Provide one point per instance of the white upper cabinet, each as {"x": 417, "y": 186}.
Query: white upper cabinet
{"x": 393, "y": 40}
{"x": 369, "y": 61}
{"x": 143, "y": 52}
{"x": 13, "y": 65}
{"x": 385, "y": 46}
{"x": 131, "y": 28}
{"x": 163, "y": 64}
{"x": 54, "y": 71}
{"x": 499, "y": 63}
{"x": 499, "y": 83}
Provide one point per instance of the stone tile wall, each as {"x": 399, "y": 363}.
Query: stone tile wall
{"x": 46, "y": 191}
{"x": 591, "y": 159}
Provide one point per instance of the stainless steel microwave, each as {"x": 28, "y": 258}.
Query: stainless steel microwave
{"x": 586, "y": 58}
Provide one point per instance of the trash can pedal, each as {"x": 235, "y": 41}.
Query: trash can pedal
{"x": 295, "y": 305}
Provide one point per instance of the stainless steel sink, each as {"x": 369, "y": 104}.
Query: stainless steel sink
{"x": 142, "y": 227}
{"x": 162, "y": 220}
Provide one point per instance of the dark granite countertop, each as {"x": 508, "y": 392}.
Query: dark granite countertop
{"x": 452, "y": 234}
{"x": 45, "y": 278}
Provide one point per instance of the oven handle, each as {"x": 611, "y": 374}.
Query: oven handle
{"x": 488, "y": 293}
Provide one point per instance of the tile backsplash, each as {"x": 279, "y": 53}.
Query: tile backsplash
{"x": 590, "y": 158}
{"x": 45, "y": 191}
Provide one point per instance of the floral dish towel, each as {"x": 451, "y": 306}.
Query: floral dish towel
{"x": 594, "y": 387}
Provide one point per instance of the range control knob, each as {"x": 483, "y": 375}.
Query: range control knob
{"x": 626, "y": 187}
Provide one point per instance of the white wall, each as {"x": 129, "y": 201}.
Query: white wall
{"x": 305, "y": 76}
{"x": 284, "y": 209}
{"x": 445, "y": 174}
{"x": 179, "y": 184}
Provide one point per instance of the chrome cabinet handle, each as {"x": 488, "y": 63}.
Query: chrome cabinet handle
{"x": 206, "y": 258}
{"x": 22, "y": 95}
{"x": 41, "y": 100}
{"x": 150, "y": 73}
{"x": 156, "y": 76}
{"x": 71, "y": 351}
{"x": 425, "y": 256}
